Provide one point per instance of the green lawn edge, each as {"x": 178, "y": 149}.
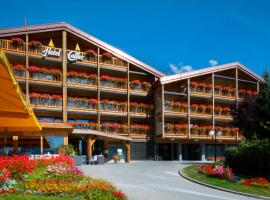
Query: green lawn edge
{"x": 190, "y": 172}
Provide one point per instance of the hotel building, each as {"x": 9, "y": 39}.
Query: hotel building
{"x": 101, "y": 100}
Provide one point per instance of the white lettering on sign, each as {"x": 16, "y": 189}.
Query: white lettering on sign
{"x": 51, "y": 52}
{"x": 74, "y": 55}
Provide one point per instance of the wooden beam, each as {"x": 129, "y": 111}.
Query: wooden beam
{"x": 236, "y": 95}
{"x": 41, "y": 144}
{"x": 162, "y": 110}
{"x": 188, "y": 102}
{"x": 65, "y": 140}
{"x": 127, "y": 146}
{"x": 98, "y": 87}
{"x": 15, "y": 144}
{"x": 27, "y": 71}
{"x": 90, "y": 143}
{"x": 213, "y": 100}
{"x": 128, "y": 98}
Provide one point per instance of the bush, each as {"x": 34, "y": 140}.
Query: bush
{"x": 251, "y": 158}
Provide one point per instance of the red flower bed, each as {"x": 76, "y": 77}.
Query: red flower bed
{"x": 257, "y": 182}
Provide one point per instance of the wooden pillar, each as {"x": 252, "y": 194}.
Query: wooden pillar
{"x": 127, "y": 146}
{"x": 213, "y": 101}
{"x": 188, "y": 102}
{"x": 41, "y": 144}
{"x": 27, "y": 97}
{"x": 64, "y": 77}
{"x": 15, "y": 144}
{"x": 65, "y": 140}
{"x": 128, "y": 100}
{"x": 236, "y": 95}
{"x": 162, "y": 110}
{"x": 90, "y": 143}
{"x": 98, "y": 87}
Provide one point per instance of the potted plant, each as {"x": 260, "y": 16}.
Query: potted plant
{"x": 201, "y": 108}
{"x": 106, "y": 56}
{"x": 17, "y": 42}
{"x": 90, "y": 53}
{"x": 136, "y": 85}
{"x": 19, "y": 70}
{"x": 209, "y": 109}
{"x": 218, "y": 89}
{"x": 34, "y": 45}
{"x": 226, "y": 90}
{"x": 194, "y": 108}
{"x": 208, "y": 89}
{"x": 201, "y": 87}
{"x": 226, "y": 111}
{"x": 145, "y": 86}
{"x": 193, "y": 86}
{"x": 92, "y": 79}
{"x": 116, "y": 157}
{"x": 92, "y": 103}
{"x": 218, "y": 110}
{"x": 195, "y": 129}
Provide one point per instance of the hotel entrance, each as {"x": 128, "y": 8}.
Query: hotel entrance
{"x": 167, "y": 151}
{"x": 191, "y": 152}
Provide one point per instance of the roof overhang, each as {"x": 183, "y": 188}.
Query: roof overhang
{"x": 65, "y": 26}
{"x": 204, "y": 71}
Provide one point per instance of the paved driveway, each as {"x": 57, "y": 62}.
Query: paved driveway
{"x": 149, "y": 180}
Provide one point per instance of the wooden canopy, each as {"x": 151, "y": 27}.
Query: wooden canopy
{"x": 15, "y": 115}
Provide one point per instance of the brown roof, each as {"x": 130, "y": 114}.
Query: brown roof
{"x": 208, "y": 70}
{"x": 65, "y": 26}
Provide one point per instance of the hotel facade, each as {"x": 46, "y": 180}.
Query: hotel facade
{"x": 99, "y": 99}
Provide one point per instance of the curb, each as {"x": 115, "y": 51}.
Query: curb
{"x": 181, "y": 173}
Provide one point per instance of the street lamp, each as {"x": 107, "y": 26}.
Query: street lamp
{"x": 215, "y": 133}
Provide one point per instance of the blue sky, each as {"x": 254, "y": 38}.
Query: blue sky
{"x": 172, "y": 36}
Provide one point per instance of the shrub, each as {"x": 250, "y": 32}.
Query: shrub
{"x": 251, "y": 158}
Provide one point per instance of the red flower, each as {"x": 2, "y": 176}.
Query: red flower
{"x": 136, "y": 82}
{"x": 33, "y": 68}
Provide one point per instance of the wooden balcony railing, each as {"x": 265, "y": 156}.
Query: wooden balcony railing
{"x": 10, "y": 46}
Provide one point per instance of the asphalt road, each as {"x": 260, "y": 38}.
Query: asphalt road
{"x": 149, "y": 180}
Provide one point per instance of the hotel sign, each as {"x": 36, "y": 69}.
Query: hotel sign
{"x": 71, "y": 56}
{"x": 74, "y": 56}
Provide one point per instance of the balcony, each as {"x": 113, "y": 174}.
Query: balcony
{"x": 19, "y": 72}
{"x": 81, "y": 80}
{"x": 46, "y": 102}
{"x": 82, "y": 105}
{"x": 89, "y": 57}
{"x": 176, "y": 130}
{"x": 140, "y": 110}
{"x": 139, "y": 88}
{"x": 113, "y": 108}
{"x": 202, "y": 132}
{"x": 113, "y": 84}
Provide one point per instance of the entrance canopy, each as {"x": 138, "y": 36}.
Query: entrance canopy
{"x": 15, "y": 115}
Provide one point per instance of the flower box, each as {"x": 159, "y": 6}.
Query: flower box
{"x": 109, "y": 105}
{"x": 113, "y": 82}
{"x": 77, "y": 102}
{"x": 138, "y": 85}
{"x": 45, "y": 99}
{"x": 17, "y": 42}
{"x": 81, "y": 78}
{"x": 35, "y": 45}
{"x": 44, "y": 73}
{"x": 19, "y": 70}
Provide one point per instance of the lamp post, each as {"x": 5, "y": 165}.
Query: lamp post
{"x": 215, "y": 133}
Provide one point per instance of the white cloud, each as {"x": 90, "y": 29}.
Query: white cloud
{"x": 213, "y": 62}
{"x": 180, "y": 68}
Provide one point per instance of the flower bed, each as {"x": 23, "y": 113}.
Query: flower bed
{"x": 81, "y": 78}
{"x": 19, "y": 70}
{"x": 257, "y": 182}
{"x": 211, "y": 175}
{"x": 52, "y": 176}
{"x": 113, "y": 82}
{"x": 141, "y": 129}
{"x": 43, "y": 73}
{"x": 45, "y": 99}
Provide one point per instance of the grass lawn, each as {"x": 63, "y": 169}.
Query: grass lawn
{"x": 190, "y": 172}
{"x": 30, "y": 197}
